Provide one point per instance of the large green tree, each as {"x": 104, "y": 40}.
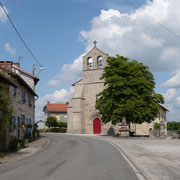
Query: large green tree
{"x": 129, "y": 92}
{"x": 51, "y": 122}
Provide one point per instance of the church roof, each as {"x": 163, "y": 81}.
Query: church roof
{"x": 76, "y": 82}
{"x": 55, "y": 107}
{"x": 163, "y": 107}
{"x": 95, "y": 47}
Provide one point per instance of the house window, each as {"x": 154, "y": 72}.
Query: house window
{"x": 23, "y": 118}
{"x": 100, "y": 62}
{"x": 13, "y": 122}
{"x": 13, "y": 90}
{"x": 23, "y": 95}
{"x": 58, "y": 117}
{"x": 29, "y": 100}
{"x": 30, "y": 121}
{"x": 90, "y": 63}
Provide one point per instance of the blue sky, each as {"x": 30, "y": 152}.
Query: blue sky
{"x": 59, "y": 32}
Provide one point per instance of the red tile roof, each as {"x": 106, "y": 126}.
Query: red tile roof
{"x": 55, "y": 107}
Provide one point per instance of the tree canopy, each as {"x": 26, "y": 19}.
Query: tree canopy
{"x": 173, "y": 125}
{"x": 51, "y": 122}
{"x": 129, "y": 92}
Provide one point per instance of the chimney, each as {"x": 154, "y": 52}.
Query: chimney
{"x": 17, "y": 64}
{"x": 6, "y": 64}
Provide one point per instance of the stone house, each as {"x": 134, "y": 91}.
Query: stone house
{"x": 22, "y": 99}
{"x": 58, "y": 110}
{"x": 82, "y": 115}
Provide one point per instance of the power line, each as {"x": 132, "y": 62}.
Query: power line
{"x": 26, "y": 46}
{"x": 167, "y": 29}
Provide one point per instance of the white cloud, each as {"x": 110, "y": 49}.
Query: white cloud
{"x": 53, "y": 82}
{"x": 137, "y": 36}
{"x": 69, "y": 72}
{"x": 3, "y": 17}
{"x": 178, "y": 99}
{"x": 170, "y": 95}
{"x": 173, "y": 81}
{"x": 9, "y": 49}
{"x": 172, "y": 103}
{"x": 58, "y": 96}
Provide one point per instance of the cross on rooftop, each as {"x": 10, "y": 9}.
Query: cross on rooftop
{"x": 95, "y": 42}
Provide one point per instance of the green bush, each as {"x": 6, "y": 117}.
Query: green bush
{"x": 27, "y": 136}
{"x": 44, "y": 130}
{"x": 157, "y": 126}
{"x": 173, "y": 125}
{"x": 21, "y": 142}
{"x": 58, "y": 130}
{"x": 13, "y": 145}
{"x": 62, "y": 124}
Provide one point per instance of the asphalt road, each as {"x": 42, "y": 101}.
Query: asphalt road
{"x": 70, "y": 157}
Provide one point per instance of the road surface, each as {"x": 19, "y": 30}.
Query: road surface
{"x": 69, "y": 157}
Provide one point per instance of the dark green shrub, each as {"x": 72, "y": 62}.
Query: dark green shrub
{"x": 62, "y": 124}
{"x": 21, "y": 142}
{"x": 58, "y": 130}
{"x": 27, "y": 136}
{"x": 173, "y": 125}
{"x": 13, "y": 145}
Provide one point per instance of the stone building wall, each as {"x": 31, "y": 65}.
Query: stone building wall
{"x": 81, "y": 109}
{"x": 22, "y": 107}
{"x": 144, "y": 128}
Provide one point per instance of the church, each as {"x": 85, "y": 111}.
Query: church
{"x": 82, "y": 117}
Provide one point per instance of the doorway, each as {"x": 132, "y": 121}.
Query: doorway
{"x": 97, "y": 126}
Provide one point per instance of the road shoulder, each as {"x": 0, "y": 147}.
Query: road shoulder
{"x": 31, "y": 149}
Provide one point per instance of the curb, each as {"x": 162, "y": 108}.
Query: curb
{"x": 138, "y": 170}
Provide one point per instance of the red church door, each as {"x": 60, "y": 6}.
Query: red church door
{"x": 97, "y": 126}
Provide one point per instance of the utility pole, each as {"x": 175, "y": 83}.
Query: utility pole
{"x": 34, "y": 68}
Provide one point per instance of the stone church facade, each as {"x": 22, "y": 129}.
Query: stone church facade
{"x": 82, "y": 115}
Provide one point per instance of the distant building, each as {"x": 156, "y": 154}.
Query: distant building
{"x": 22, "y": 97}
{"x": 57, "y": 110}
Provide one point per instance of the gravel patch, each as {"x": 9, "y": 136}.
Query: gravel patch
{"x": 158, "y": 158}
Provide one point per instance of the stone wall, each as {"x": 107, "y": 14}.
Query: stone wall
{"x": 22, "y": 107}
{"x": 173, "y": 134}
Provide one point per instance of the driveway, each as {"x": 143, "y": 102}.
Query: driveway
{"x": 69, "y": 157}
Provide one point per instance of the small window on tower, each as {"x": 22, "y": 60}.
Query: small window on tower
{"x": 100, "y": 62}
{"x": 90, "y": 63}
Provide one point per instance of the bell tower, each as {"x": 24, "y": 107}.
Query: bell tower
{"x": 93, "y": 63}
